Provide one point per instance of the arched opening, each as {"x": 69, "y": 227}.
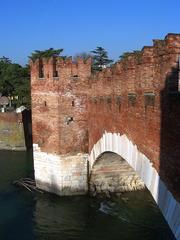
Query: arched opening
{"x": 122, "y": 194}
{"x": 111, "y": 174}
{"x": 122, "y": 145}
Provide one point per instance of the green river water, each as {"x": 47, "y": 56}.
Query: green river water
{"x": 31, "y": 216}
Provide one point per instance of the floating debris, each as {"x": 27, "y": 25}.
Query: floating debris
{"x": 27, "y": 183}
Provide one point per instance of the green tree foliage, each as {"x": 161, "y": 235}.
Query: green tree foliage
{"x": 51, "y": 52}
{"x": 100, "y": 59}
{"x": 15, "y": 82}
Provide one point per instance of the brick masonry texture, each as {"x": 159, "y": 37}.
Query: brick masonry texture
{"x": 59, "y": 106}
{"x": 59, "y": 117}
{"x": 137, "y": 100}
{"x": 139, "y": 97}
{"x": 113, "y": 175}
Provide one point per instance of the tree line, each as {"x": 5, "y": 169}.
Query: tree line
{"x": 15, "y": 79}
{"x": 99, "y": 57}
{"x": 15, "y": 82}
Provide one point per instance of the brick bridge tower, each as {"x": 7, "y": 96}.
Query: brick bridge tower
{"x": 59, "y": 115}
{"x": 130, "y": 109}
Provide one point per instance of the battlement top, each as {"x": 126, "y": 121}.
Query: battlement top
{"x": 61, "y": 61}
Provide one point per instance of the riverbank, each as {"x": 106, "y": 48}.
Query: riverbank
{"x": 15, "y": 131}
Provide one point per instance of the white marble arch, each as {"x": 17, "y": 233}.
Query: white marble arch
{"x": 120, "y": 144}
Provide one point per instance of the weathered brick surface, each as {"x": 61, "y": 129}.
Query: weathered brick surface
{"x": 131, "y": 108}
{"x": 59, "y": 106}
{"x": 12, "y": 131}
{"x": 138, "y": 96}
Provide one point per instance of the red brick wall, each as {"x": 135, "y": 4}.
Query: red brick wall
{"x": 55, "y": 100}
{"x": 137, "y": 97}
{"x": 117, "y": 103}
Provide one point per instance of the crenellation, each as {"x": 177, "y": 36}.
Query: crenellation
{"x": 131, "y": 108}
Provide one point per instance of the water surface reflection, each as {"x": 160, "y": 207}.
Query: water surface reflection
{"x": 134, "y": 216}
{"x": 29, "y": 216}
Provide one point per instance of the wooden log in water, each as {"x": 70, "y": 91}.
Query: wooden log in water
{"x": 27, "y": 183}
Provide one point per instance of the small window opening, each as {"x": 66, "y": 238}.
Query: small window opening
{"x": 41, "y": 69}
{"x": 45, "y": 104}
{"x": 55, "y": 72}
{"x": 109, "y": 100}
{"x": 149, "y": 98}
{"x": 118, "y": 102}
{"x": 72, "y": 103}
{"x": 132, "y": 99}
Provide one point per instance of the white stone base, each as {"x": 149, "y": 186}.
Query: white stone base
{"x": 67, "y": 175}
{"x": 121, "y": 145}
{"x": 62, "y": 175}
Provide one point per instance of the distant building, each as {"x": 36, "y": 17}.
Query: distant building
{"x": 4, "y": 101}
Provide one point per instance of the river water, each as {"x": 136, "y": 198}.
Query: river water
{"x": 29, "y": 216}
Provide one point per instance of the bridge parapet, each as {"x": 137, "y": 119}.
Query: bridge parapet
{"x": 132, "y": 97}
{"x": 135, "y": 97}
{"x": 142, "y": 70}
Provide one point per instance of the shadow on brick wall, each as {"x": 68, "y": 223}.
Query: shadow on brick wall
{"x": 27, "y": 124}
{"x": 170, "y": 134}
